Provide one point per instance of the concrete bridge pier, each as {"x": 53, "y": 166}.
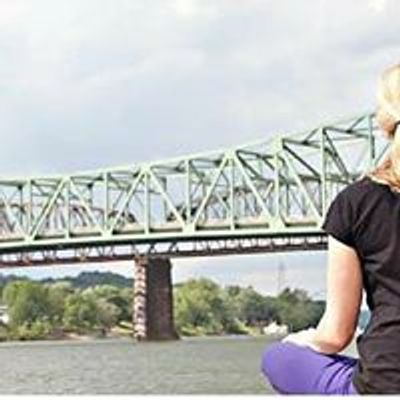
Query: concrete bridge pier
{"x": 152, "y": 300}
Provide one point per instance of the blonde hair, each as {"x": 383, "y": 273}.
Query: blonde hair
{"x": 388, "y": 118}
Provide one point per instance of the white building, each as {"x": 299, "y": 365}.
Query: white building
{"x": 4, "y": 317}
{"x": 274, "y": 329}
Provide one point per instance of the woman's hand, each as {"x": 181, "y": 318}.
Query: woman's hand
{"x": 303, "y": 338}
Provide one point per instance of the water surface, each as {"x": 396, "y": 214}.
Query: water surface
{"x": 228, "y": 365}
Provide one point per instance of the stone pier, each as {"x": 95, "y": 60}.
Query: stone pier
{"x": 152, "y": 301}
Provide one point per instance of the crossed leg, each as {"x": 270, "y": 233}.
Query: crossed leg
{"x": 295, "y": 369}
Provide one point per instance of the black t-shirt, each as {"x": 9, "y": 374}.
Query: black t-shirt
{"x": 366, "y": 215}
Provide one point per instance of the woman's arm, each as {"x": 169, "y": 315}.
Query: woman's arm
{"x": 344, "y": 294}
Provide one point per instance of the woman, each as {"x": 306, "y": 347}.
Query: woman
{"x": 363, "y": 227}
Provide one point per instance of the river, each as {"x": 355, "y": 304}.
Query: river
{"x": 215, "y": 365}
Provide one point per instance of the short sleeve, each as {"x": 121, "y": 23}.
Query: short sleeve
{"x": 338, "y": 220}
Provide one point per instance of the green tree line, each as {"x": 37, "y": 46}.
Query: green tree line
{"x": 53, "y": 308}
{"x": 203, "y": 307}
{"x": 39, "y": 310}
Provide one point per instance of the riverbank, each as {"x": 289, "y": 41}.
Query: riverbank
{"x": 126, "y": 332}
{"x": 58, "y": 334}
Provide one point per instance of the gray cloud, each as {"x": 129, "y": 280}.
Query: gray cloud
{"x": 85, "y": 84}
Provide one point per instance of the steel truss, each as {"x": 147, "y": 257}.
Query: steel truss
{"x": 279, "y": 187}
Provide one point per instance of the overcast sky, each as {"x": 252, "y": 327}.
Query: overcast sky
{"x": 92, "y": 83}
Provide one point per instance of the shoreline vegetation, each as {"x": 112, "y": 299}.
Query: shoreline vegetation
{"x": 97, "y": 305}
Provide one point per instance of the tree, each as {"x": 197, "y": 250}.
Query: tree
{"x": 250, "y": 307}
{"x": 10, "y": 291}
{"x": 107, "y": 315}
{"x": 84, "y": 312}
{"x": 122, "y": 299}
{"x": 27, "y": 302}
{"x": 80, "y": 313}
{"x": 125, "y": 304}
{"x": 298, "y": 310}
{"x": 57, "y": 294}
{"x": 35, "y": 331}
{"x": 199, "y": 305}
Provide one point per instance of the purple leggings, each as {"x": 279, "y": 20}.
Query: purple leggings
{"x": 295, "y": 369}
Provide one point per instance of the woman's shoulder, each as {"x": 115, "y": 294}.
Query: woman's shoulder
{"x": 366, "y": 196}
{"x": 368, "y": 184}
{"x": 363, "y": 184}
{"x": 361, "y": 189}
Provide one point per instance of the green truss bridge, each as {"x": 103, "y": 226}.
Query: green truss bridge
{"x": 270, "y": 195}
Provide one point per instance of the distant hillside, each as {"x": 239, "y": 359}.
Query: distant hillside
{"x": 4, "y": 279}
{"x": 82, "y": 281}
{"x": 88, "y": 279}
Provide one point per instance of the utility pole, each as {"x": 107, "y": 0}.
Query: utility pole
{"x": 281, "y": 279}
